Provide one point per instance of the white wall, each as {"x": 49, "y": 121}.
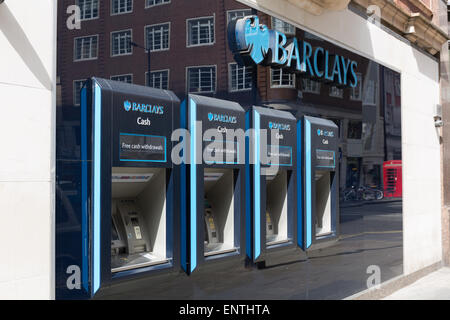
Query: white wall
{"x": 420, "y": 141}
{"x": 27, "y": 134}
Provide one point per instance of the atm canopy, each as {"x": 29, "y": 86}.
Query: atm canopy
{"x": 209, "y": 102}
{"x": 274, "y": 113}
{"x": 321, "y": 122}
{"x": 135, "y": 90}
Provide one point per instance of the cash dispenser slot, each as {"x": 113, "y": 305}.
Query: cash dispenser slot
{"x": 219, "y": 212}
{"x": 138, "y": 213}
{"x": 323, "y": 204}
{"x": 276, "y": 209}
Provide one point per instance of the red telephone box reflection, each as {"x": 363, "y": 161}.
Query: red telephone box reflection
{"x": 392, "y": 178}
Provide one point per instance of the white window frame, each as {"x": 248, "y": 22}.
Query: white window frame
{"x": 162, "y": 70}
{"x": 87, "y": 19}
{"x": 310, "y": 91}
{"x": 152, "y": 25}
{"x": 237, "y": 10}
{"x": 201, "y": 44}
{"x": 155, "y": 5}
{"x": 75, "y": 48}
{"x": 360, "y": 86}
{"x": 341, "y": 95}
{"x": 111, "y": 43}
{"x": 276, "y": 86}
{"x": 73, "y": 91}
{"x": 120, "y": 13}
{"x": 122, "y": 75}
{"x": 203, "y": 66}
{"x": 230, "y": 89}
{"x": 290, "y": 33}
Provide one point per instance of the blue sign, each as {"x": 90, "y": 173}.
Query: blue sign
{"x": 142, "y": 107}
{"x": 254, "y": 43}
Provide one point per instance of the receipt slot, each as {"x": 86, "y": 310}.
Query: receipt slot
{"x": 130, "y": 208}
{"x": 271, "y": 182}
{"x": 213, "y": 197}
{"x": 320, "y": 183}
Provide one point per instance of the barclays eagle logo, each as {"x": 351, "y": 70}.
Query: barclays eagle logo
{"x": 250, "y": 38}
{"x": 210, "y": 116}
{"x": 127, "y": 105}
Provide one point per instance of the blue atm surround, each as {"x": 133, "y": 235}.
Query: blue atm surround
{"x": 199, "y": 114}
{"x": 113, "y": 113}
{"x": 258, "y": 246}
{"x": 320, "y": 155}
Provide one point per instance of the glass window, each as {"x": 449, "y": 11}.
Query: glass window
{"x": 281, "y": 78}
{"x": 121, "y": 6}
{"x": 284, "y": 27}
{"x": 158, "y": 37}
{"x": 88, "y": 8}
{"x": 356, "y": 93}
{"x": 77, "y": 85}
{"x": 86, "y": 48}
{"x": 236, "y": 14}
{"x": 128, "y": 78}
{"x": 158, "y": 79}
{"x": 121, "y": 43}
{"x": 336, "y": 92}
{"x": 201, "y": 31}
{"x": 240, "y": 77}
{"x": 151, "y": 3}
{"x": 201, "y": 79}
{"x": 310, "y": 86}
{"x": 354, "y": 130}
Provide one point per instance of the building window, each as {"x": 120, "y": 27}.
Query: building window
{"x": 77, "y": 85}
{"x": 336, "y": 92}
{"x": 354, "y": 130}
{"x": 88, "y": 9}
{"x": 121, "y": 6}
{"x": 201, "y": 79}
{"x": 310, "y": 86}
{"x": 158, "y": 37}
{"x": 86, "y": 48}
{"x": 152, "y": 3}
{"x": 236, "y": 14}
{"x": 200, "y": 31}
{"x": 158, "y": 79}
{"x": 240, "y": 77}
{"x": 356, "y": 92}
{"x": 121, "y": 43}
{"x": 128, "y": 78}
{"x": 283, "y": 27}
{"x": 282, "y": 79}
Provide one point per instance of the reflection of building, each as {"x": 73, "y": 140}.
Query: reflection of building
{"x": 202, "y": 63}
{"x": 198, "y": 62}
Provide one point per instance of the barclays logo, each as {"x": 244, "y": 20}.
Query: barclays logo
{"x": 221, "y": 118}
{"x": 325, "y": 133}
{"x": 127, "y": 105}
{"x": 279, "y": 126}
{"x": 141, "y": 107}
{"x": 253, "y": 43}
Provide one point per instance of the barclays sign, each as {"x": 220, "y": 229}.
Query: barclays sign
{"x": 254, "y": 43}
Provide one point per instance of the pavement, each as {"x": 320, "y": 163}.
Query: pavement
{"x": 434, "y": 286}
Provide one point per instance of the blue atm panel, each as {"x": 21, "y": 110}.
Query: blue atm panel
{"x": 271, "y": 182}
{"x": 130, "y": 211}
{"x": 320, "y": 183}
{"x": 213, "y": 197}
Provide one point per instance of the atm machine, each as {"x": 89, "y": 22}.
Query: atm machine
{"x": 213, "y": 196}
{"x": 320, "y": 208}
{"x": 271, "y": 213}
{"x": 130, "y": 210}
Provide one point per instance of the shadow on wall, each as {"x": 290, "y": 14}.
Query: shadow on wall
{"x": 15, "y": 35}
